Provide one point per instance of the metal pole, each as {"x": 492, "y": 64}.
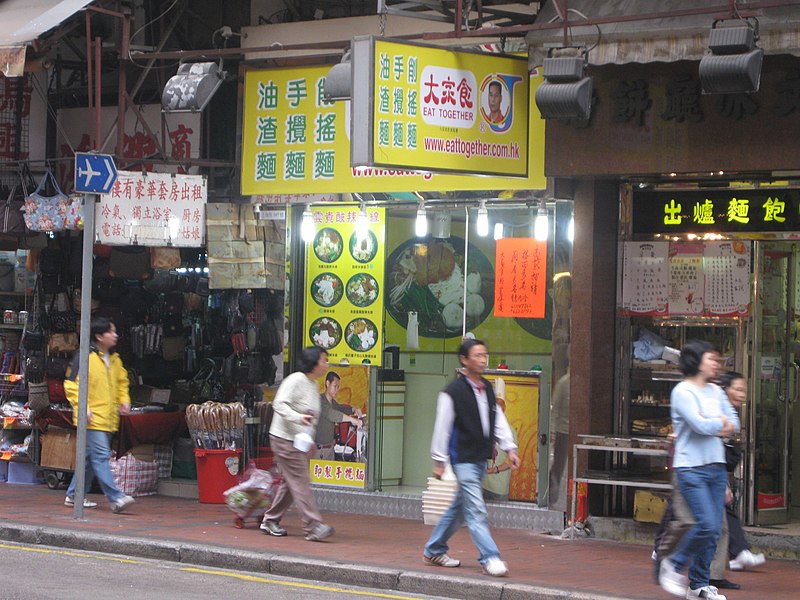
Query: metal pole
{"x": 83, "y": 353}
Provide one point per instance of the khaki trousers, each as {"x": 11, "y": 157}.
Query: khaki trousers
{"x": 295, "y": 486}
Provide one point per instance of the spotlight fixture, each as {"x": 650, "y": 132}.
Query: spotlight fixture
{"x": 307, "y": 225}
{"x": 565, "y": 93}
{"x": 734, "y": 65}
{"x": 192, "y": 87}
{"x": 541, "y": 225}
{"x": 482, "y": 224}
{"x": 441, "y": 224}
{"x": 337, "y": 84}
{"x": 421, "y": 225}
{"x": 571, "y": 229}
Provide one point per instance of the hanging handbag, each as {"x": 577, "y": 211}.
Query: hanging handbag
{"x": 172, "y": 347}
{"x": 56, "y": 367}
{"x": 65, "y": 321}
{"x": 55, "y": 390}
{"x": 62, "y": 342}
{"x": 11, "y": 221}
{"x": 33, "y": 333}
{"x": 38, "y": 396}
{"x": 74, "y": 218}
{"x": 34, "y": 368}
{"x": 165, "y": 258}
{"x": 46, "y": 213}
{"x": 130, "y": 262}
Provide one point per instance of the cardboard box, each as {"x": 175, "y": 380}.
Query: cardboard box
{"x": 58, "y": 449}
{"x": 648, "y": 507}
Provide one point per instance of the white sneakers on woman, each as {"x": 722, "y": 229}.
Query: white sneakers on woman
{"x": 747, "y": 559}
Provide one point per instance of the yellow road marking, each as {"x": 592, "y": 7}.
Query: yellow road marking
{"x": 253, "y": 578}
{"x": 310, "y": 586}
{"x": 69, "y": 553}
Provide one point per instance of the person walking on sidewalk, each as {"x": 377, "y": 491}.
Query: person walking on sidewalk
{"x": 733, "y": 540}
{"x": 468, "y": 423}
{"x": 701, "y": 416}
{"x": 296, "y": 410}
{"x": 108, "y": 397}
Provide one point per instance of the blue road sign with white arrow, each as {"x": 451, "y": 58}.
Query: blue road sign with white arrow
{"x": 94, "y": 173}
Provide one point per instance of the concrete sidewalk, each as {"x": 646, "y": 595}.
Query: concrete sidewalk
{"x": 372, "y": 551}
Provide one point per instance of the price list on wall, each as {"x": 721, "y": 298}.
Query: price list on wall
{"x": 727, "y": 272}
{"x": 645, "y": 283}
{"x": 674, "y": 278}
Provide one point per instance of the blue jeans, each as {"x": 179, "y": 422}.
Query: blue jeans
{"x": 468, "y": 506}
{"x": 98, "y": 455}
{"x": 703, "y": 489}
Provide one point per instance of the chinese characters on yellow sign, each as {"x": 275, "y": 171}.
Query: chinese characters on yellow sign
{"x": 344, "y": 277}
{"x": 294, "y": 142}
{"x": 715, "y": 211}
{"x": 466, "y": 111}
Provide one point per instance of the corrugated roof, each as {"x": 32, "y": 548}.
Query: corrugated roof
{"x": 663, "y": 39}
{"x": 22, "y": 21}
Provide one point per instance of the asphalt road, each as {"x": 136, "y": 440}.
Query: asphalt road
{"x": 42, "y": 572}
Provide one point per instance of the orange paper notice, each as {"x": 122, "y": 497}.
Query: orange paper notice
{"x": 520, "y": 285}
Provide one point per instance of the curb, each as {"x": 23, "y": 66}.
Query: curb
{"x": 412, "y": 582}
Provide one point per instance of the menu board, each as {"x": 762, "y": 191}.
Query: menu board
{"x": 686, "y": 278}
{"x": 727, "y": 268}
{"x": 344, "y": 281}
{"x": 645, "y": 277}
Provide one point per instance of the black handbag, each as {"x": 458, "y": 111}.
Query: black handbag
{"x": 733, "y": 454}
{"x": 33, "y": 337}
{"x": 34, "y": 368}
{"x": 11, "y": 221}
{"x": 65, "y": 321}
{"x": 56, "y": 367}
{"x": 130, "y": 262}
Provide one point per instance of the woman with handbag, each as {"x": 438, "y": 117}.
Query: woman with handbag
{"x": 108, "y": 397}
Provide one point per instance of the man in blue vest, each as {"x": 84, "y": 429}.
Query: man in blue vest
{"x": 468, "y": 424}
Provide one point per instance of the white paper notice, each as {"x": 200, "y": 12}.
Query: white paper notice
{"x": 645, "y": 283}
{"x": 727, "y": 285}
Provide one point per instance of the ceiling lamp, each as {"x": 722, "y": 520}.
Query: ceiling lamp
{"x": 421, "y": 224}
{"x": 482, "y": 224}
{"x": 541, "y": 226}
{"x": 565, "y": 92}
{"x": 734, "y": 65}
{"x": 307, "y": 225}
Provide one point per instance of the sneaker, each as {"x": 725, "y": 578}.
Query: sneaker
{"x": 120, "y": 505}
{"x": 654, "y": 555}
{"x": 86, "y": 502}
{"x": 273, "y": 528}
{"x": 440, "y": 560}
{"x": 319, "y": 532}
{"x": 747, "y": 559}
{"x": 670, "y": 580}
{"x": 495, "y": 567}
{"x": 709, "y": 592}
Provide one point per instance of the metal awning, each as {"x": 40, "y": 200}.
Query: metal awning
{"x": 22, "y": 21}
{"x": 680, "y": 32}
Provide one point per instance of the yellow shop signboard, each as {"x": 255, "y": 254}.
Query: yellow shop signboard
{"x": 436, "y": 108}
{"x": 294, "y": 142}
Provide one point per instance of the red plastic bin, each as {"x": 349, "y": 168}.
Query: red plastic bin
{"x": 217, "y": 471}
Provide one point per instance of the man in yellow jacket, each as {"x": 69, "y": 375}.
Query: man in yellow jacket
{"x": 108, "y": 397}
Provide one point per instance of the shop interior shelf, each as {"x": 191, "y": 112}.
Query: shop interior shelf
{"x": 11, "y": 326}
{"x": 19, "y": 294}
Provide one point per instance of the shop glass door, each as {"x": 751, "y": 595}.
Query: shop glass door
{"x": 775, "y": 386}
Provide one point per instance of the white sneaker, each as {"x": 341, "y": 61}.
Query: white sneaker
{"x": 68, "y": 501}
{"x": 495, "y": 567}
{"x": 747, "y": 559}
{"x": 708, "y": 592}
{"x": 121, "y": 504}
{"x": 671, "y": 581}
{"x": 654, "y": 555}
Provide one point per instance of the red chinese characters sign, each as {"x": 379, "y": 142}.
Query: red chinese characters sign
{"x": 153, "y": 209}
{"x": 520, "y": 287}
